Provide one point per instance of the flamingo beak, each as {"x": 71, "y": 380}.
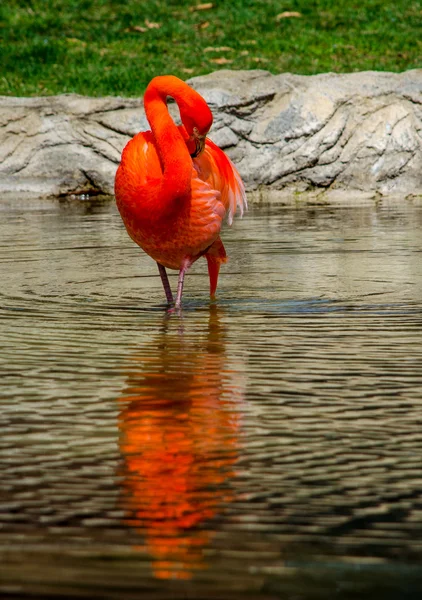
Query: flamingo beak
{"x": 199, "y": 143}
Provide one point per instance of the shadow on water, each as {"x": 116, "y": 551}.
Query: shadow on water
{"x": 179, "y": 422}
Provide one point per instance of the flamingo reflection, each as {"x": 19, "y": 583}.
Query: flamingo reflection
{"x": 179, "y": 429}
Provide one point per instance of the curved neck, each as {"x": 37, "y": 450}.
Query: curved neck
{"x": 171, "y": 147}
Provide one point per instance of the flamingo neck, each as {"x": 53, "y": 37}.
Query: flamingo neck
{"x": 171, "y": 147}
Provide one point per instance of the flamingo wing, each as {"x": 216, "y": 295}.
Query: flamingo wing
{"x": 184, "y": 234}
{"x": 216, "y": 191}
{"x": 139, "y": 168}
{"x": 216, "y": 168}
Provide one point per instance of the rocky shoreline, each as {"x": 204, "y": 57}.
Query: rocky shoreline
{"x": 331, "y": 136}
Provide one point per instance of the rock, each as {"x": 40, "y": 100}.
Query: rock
{"x": 329, "y": 133}
{"x": 64, "y": 144}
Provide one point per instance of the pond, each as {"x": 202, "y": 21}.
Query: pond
{"x": 265, "y": 446}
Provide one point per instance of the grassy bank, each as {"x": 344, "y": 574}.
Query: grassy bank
{"x": 107, "y": 47}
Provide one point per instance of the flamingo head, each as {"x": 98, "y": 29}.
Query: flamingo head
{"x": 197, "y": 118}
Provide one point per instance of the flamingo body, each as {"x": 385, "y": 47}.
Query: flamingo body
{"x": 174, "y": 187}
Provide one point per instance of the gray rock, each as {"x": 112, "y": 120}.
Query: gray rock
{"x": 329, "y": 133}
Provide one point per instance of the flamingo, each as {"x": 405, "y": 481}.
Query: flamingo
{"x": 174, "y": 186}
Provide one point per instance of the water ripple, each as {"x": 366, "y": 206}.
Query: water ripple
{"x": 267, "y": 444}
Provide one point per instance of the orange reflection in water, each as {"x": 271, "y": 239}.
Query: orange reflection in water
{"x": 179, "y": 429}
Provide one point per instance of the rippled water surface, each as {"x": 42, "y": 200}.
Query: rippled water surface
{"x": 265, "y": 446}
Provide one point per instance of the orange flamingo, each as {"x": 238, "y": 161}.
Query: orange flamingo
{"x": 174, "y": 186}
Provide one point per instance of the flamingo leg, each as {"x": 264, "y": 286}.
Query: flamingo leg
{"x": 180, "y": 286}
{"x": 166, "y": 284}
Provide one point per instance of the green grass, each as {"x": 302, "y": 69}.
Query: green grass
{"x": 93, "y": 47}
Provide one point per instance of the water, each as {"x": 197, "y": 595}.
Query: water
{"x": 265, "y": 446}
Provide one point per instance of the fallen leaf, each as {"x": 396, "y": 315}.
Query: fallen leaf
{"x": 151, "y": 25}
{"x": 259, "y": 59}
{"x": 202, "y": 25}
{"x": 244, "y": 53}
{"x": 188, "y": 71}
{"x": 288, "y": 14}
{"x": 141, "y": 29}
{"x": 221, "y": 61}
{"x": 76, "y": 41}
{"x": 205, "y": 6}
{"x": 218, "y": 49}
